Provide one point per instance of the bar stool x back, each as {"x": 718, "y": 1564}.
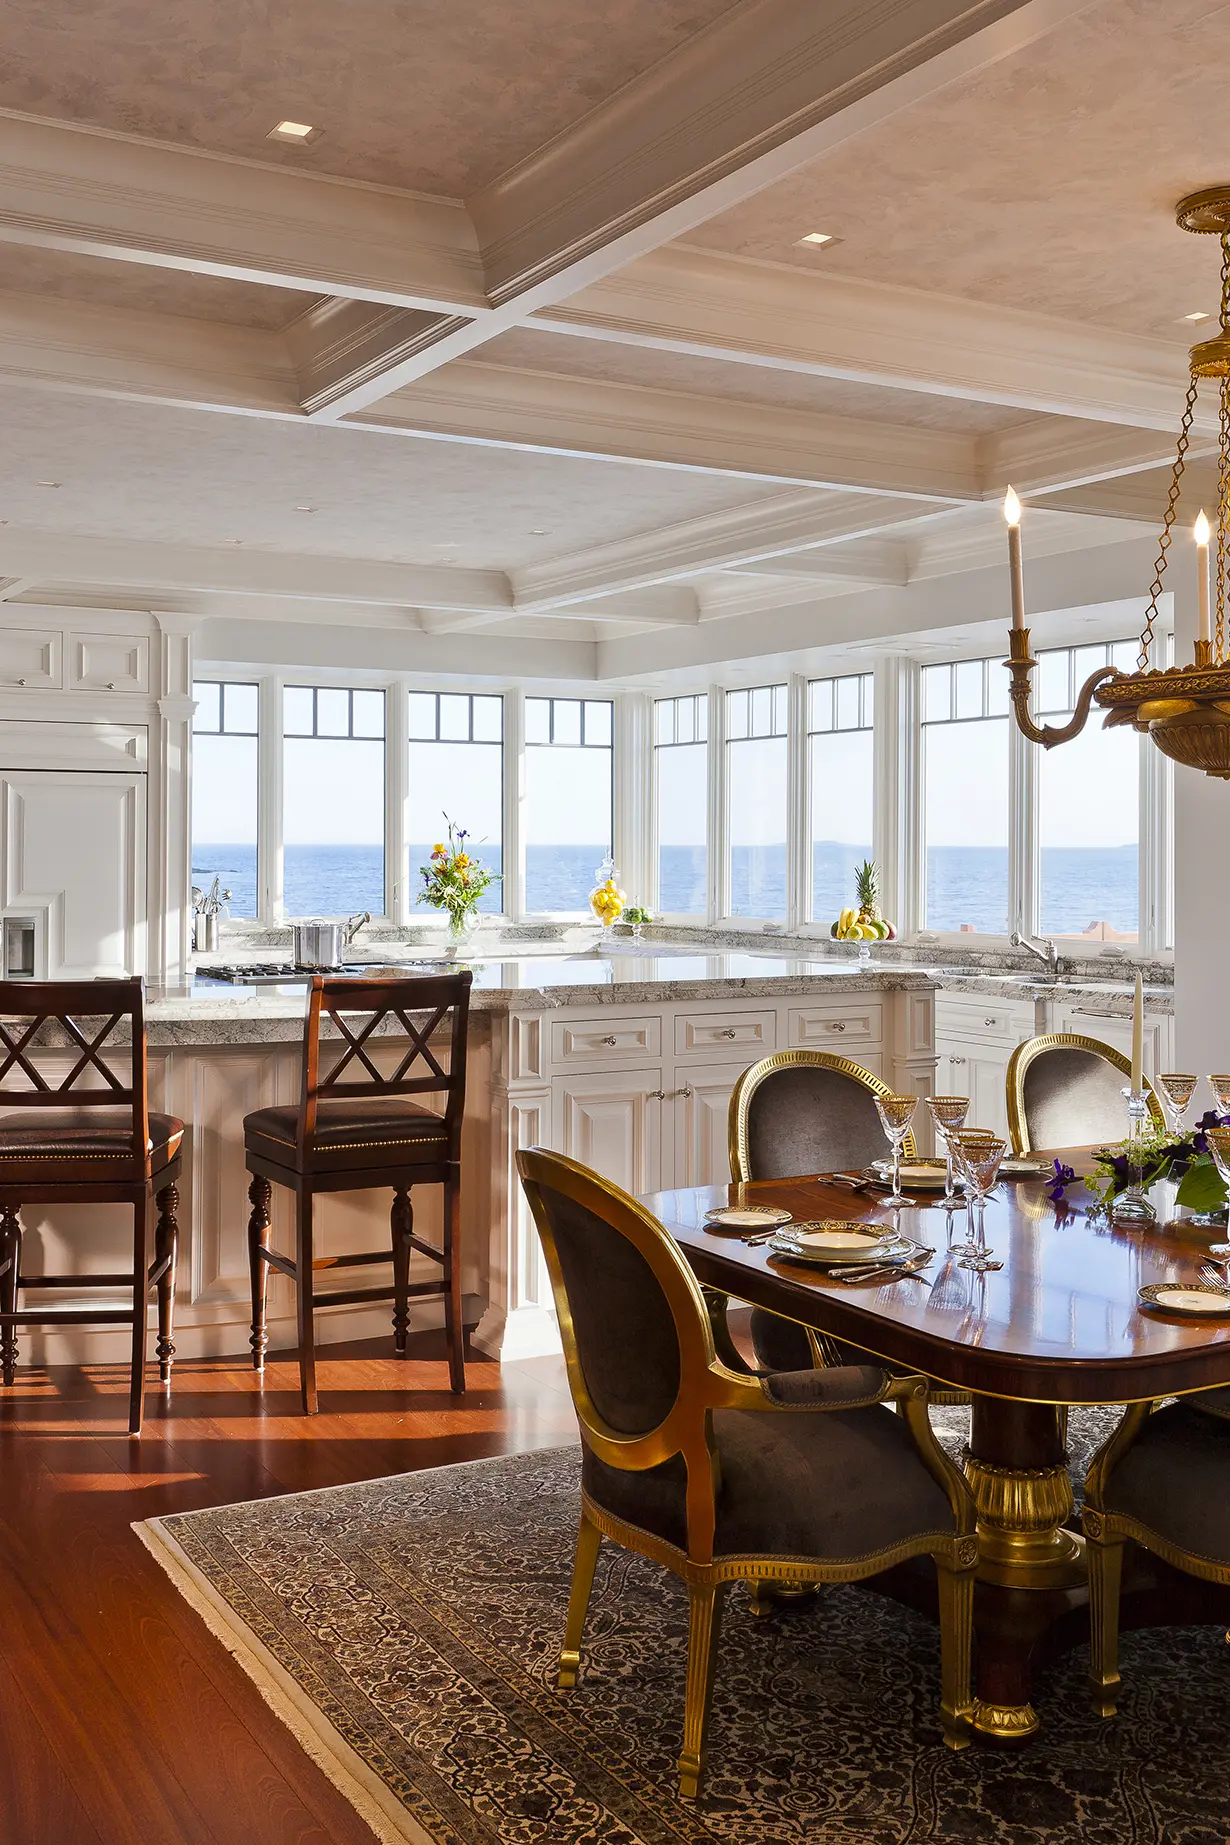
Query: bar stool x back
{"x": 77, "y": 1129}
{"x": 356, "y": 1129}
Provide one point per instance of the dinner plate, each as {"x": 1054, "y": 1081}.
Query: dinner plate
{"x": 745, "y": 1217}
{"x": 837, "y": 1241}
{"x": 916, "y": 1175}
{"x": 1023, "y": 1168}
{"x": 1182, "y": 1297}
{"x": 887, "y": 1251}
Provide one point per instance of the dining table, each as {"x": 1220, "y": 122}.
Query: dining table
{"x": 1060, "y": 1324}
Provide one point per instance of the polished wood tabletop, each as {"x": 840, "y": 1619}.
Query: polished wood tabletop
{"x": 1059, "y": 1323}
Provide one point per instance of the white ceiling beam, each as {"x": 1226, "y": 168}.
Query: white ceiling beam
{"x": 508, "y": 407}
{"x": 93, "y": 192}
{"x": 864, "y": 561}
{"x": 716, "y": 541}
{"x": 1053, "y": 454}
{"x": 769, "y": 86}
{"x": 710, "y": 305}
{"x": 1139, "y": 497}
{"x": 15, "y": 586}
{"x": 68, "y": 558}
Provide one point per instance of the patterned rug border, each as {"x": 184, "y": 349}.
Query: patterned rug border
{"x": 316, "y": 1736}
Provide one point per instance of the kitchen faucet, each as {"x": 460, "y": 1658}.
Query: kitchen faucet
{"x": 1046, "y": 952}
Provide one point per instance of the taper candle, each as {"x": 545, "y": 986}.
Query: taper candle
{"x": 1138, "y": 1038}
{"x": 1012, "y": 513}
{"x": 1200, "y": 532}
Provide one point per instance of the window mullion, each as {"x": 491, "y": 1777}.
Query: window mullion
{"x": 514, "y": 804}
{"x": 396, "y": 802}
{"x": 1024, "y": 860}
{"x": 718, "y": 877}
{"x": 798, "y": 828}
{"x": 269, "y": 758}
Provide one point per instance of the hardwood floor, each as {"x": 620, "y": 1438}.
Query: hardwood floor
{"x": 122, "y": 1721}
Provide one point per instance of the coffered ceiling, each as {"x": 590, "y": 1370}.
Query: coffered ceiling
{"x": 530, "y": 327}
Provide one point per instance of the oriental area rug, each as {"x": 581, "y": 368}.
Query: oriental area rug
{"x": 407, "y": 1629}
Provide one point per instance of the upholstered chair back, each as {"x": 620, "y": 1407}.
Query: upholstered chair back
{"x": 804, "y": 1112}
{"x": 1066, "y": 1091}
{"x": 620, "y": 1319}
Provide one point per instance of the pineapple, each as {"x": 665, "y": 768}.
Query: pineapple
{"x": 867, "y": 889}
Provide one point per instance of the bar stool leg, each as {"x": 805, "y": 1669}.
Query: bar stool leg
{"x": 401, "y": 1221}
{"x": 304, "y": 1290}
{"x": 259, "y": 1193}
{"x": 166, "y": 1250}
{"x": 453, "y": 1324}
{"x": 10, "y": 1276}
{"x": 140, "y": 1298}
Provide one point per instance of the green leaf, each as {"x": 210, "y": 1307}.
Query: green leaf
{"x": 1202, "y": 1187}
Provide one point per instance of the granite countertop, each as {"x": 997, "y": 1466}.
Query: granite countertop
{"x": 212, "y": 1012}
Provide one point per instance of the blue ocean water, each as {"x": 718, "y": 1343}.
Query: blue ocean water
{"x": 967, "y": 886}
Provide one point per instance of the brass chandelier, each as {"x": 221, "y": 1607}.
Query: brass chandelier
{"x": 1185, "y": 709}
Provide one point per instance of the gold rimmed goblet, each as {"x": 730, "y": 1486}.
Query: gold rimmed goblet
{"x": 1219, "y": 1146}
{"x": 896, "y": 1113}
{"x": 1176, "y": 1092}
{"x": 977, "y": 1153}
{"x": 948, "y": 1114}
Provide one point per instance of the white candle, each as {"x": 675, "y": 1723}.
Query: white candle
{"x": 1012, "y": 513}
{"x": 1138, "y": 1038}
{"x": 1200, "y": 531}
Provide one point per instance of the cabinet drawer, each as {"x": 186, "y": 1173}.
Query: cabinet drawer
{"x": 600, "y": 1041}
{"x": 30, "y": 657}
{"x": 975, "y": 1018}
{"x": 837, "y": 1027}
{"x": 109, "y": 663}
{"x": 754, "y": 1033}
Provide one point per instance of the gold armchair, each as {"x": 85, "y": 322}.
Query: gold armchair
{"x": 720, "y": 1477}
{"x": 1067, "y": 1091}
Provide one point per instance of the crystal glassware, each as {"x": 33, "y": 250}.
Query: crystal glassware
{"x": 1219, "y": 1147}
{"x": 947, "y": 1113}
{"x": 896, "y": 1113}
{"x": 1131, "y": 1206}
{"x": 1220, "y": 1085}
{"x": 1176, "y": 1092}
{"x": 978, "y": 1154}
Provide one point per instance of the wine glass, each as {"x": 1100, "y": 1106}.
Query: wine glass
{"x": 1220, "y": 1085}
{"x": 1176, "y": 1092}
{"x": 896, "y": 1113}
{"x": 978, "y": 1154}
{"x": 1219, "y": 1146}
{"x": 948, "y": 1113}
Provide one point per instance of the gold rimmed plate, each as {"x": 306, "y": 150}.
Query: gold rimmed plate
{"x": 1187, "y": 1298}
{"x": 833, "y": 1243}
{"x": 916, "y": 1175}
{"x": 739, "y": 1219}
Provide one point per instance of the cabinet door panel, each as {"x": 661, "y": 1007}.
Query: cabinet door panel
{"x": 702, "y": 1107}
{"x": 613, "y": 1122}
{"x": 74, "y": 853}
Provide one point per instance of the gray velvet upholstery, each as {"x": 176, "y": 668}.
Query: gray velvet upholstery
{"x": 1073, "y": 1098}
{"x": 851, "y": 1384}
{"x": 782, "y": 1345}
{"x": 624, "y": 1330}
{"x": 838, "y": 1484}
{"x": 1175, "y": 1479}
{"x": 805, "y": 1118}
{"x": 1212, "y": 1402}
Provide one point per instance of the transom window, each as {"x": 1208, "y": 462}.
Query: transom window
{"x": 333, "y": 800}
{"x": 569, "y": 800}
{"x": 681, "y": 803}
{"x": 757, "y": 771}
{"x": 840, "y": 770}
{"x": 965, "y": 796}
{"x": 225, "y": 790}
{"x": 456, "y": 772}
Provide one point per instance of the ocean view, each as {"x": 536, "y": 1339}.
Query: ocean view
{"x": 967, "y": 886}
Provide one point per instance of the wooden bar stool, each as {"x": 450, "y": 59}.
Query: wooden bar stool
{"x": 87, "y": 1138}
{"x": 353, "y": 1131}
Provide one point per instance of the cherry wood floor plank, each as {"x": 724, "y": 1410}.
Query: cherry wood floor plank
{"x": 131, "y": 1723}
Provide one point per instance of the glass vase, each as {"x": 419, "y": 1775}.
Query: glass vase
{"x": 462, "y": 926}
{"x": 1131, "y": 1206}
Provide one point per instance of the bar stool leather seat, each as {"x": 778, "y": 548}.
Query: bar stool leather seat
{"x": 30, "y": 1138}
{"x": 367, "y": 1130}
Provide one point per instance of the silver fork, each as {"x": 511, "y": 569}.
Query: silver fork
{"x": 1214, "y": 1277}
{"x": 857, "y": 1277}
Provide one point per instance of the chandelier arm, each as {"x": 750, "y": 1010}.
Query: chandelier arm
{"x": 1021, "y": 666}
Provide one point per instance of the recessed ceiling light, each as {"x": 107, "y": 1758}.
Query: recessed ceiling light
{"x": 818, "y": 237}
{"x": 540, "y": 531}
{"x": 49, "y": 483}
{"x": 298, "y": 134}
{"x": 1197, "y": 316}
{"x": 234, "y": 541}
{"x": 307, "y": 509}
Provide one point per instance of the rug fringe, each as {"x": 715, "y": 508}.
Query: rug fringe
{"x": 316, "y": 1736}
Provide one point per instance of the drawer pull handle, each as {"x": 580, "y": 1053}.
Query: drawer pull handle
{"x": 685, "y": 1091}
{"x": 956, "y": 1060}
{"x": 990, "y": 1021}
{"x": 611, "y": 1039}
{"x": 837, "y": 1025}
{"x": 728, "y": 1031}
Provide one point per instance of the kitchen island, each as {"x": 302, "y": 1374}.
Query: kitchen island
{"x": 624, "y": 1061}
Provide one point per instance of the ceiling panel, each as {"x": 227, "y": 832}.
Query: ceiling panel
{"x": 1046, "y": 182}
{"x": 101, "y": 283}
{"x": 409, "y": 92}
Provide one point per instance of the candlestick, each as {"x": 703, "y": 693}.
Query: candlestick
{"x": 1200, "y": 532}
{"x": 1131, "y": 1206}
{"x": 1012, "y": 513}
{"x": 1138, "y": 1038}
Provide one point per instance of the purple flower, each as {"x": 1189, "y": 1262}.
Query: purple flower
{"x": 1062, "y": 1177}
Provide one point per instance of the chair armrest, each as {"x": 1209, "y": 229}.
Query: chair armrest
{"x": 836, "y": 1387}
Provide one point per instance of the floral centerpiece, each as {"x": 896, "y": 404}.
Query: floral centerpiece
{"x": 1162, "y": 1155}
{"x": 454, "y": 881}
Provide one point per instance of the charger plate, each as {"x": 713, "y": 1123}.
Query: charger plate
{"x": 743, "y": 1217}
{"x": 1193, "y": 1302}
{"x": 836, "y": 1244}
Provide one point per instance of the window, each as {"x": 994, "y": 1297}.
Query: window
{"x": 1088, "y": 806}
{"x": 840, "y": 774}
{"x": 965, "y": 796}
{"x": 756, "y": 803}
{"x": 457, "y": 773}
{"x": 568, "y": 795}
{"x": 225, "y": 800}
{"x": 332, "y": 800}
{"x": 681, "y": 794}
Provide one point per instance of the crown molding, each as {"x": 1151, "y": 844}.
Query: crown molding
{"x": 765, "y": 88}
{"x": 1053, "y": 454}
{"x": 1140, "y": 498}
{"x": 884, "y": 562}
{"x": 509, "y": 407}
{"x": 727, "y": 307}
{"x": 65, "y": 187}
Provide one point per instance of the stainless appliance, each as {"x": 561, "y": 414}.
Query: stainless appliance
{"x": 285, "y": 973}
{"x": 320, "y": 944}
{"x": 205, "y": 932}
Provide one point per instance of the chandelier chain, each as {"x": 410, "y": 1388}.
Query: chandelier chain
{"x": 1172, "y": 501}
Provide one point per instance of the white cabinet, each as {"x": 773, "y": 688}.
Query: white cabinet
{"x": 612, "y": 1121}
{"x": 974, "y": 1038}
{"x": 74, "y": 853}
{"x": 701, "y": 1107}
{"x": 1117, "y": 1032}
